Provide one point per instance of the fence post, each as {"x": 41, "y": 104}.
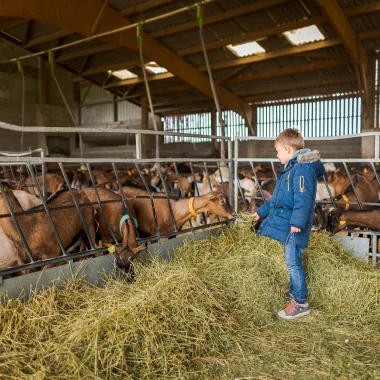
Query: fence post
{"x": 236, "y": 173}
{"x": 138, "y": 146}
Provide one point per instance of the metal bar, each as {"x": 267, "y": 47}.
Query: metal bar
{"x": 353, "y": 187}
{"x": 209, "y": 184}
{"x": 236, "y": 164}
{"x": 257, "y": 180}
{"x": 328, "y": 190}
{"x": 196, "y": 192}
{"x": 100, "y": 203}
{"x": 274, "y": 170}
{"x": 375, "y": 172}
{"x": 230, "y": 172}
{"x": 167, "y": 197}
{"x": 37, "y": 186}
{"x": 28, "y": 251}
{"x": 54, "y": 260}
{"x": 76, "y": 205}
{"x": 122, "y": 194}
{"x": 374, "y": 249}
{"x": 118, "y": 30}
{"x": 100, "y": 128}
{"x": 180, "y": 186}
{"x": 151, "y": 200}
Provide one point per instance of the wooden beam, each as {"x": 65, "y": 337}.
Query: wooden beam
{"x": 146, "y": 6}
{"x": 48, "y": 38}
{"x": 222, "y": 16}
{"x": 9, "y": 22}
{"x": 83, "y": 53}
{"x": 273, "y": 54}
{"x": 362, "y": 9}
{"x": 290, "y": 70}
{"x": 370, "y": 34}
{"x": 296, "y": 85}
{"x": 128, "y": 82}
{"x": 353, "y": 46}
{"x": 159, "y": 91}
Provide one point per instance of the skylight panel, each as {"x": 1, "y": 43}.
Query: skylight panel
{"x": 123, "y": 74}
{"x": 244, "y": 50}
{"x": 304, "y": 35}
{"x": 155, "y": 69}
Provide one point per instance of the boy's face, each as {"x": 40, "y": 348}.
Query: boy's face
{"x": 284, "y": 152}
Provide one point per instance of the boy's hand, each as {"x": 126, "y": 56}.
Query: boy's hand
{"x": 255, "y": 216}
{"x": 295, "y": 229}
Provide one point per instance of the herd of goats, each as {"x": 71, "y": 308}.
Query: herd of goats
{"x": 67, "y": 211}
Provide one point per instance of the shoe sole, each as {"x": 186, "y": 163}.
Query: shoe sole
{"x": 290, "y": 317}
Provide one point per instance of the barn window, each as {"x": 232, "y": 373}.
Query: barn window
{"x": 304, "y": 35}
{"x": 200, "y": 123}
{"x": 316, "y": 116}
{"x": 246, "y": 49}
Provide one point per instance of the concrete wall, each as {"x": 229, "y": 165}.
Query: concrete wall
{"x": 53, "y": 113}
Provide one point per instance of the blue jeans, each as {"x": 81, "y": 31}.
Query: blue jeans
{"x": 297, "y": 284}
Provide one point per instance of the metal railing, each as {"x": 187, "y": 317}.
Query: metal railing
{"x": 342, "y": 164}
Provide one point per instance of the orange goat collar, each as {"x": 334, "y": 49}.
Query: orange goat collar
{"x": 191, "y": 208}
{"x": 344, "y": 197}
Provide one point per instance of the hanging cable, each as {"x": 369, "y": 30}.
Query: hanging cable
{"x": 200, "y": 18}
{"x": 118, "y": 30}
{"x": 21, "y": 71}
{"x": 52, "y": 66}
{"x": 140, "y": 40}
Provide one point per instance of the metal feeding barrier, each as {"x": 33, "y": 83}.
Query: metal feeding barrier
{"x": 205, "y": 166}
{"x": 365, "y": 248}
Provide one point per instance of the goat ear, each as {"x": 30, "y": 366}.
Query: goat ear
{"x": 212, "y": 196}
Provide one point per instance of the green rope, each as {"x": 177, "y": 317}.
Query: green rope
{"x": 139, "y": 34}
{"x": 200, "y": 13}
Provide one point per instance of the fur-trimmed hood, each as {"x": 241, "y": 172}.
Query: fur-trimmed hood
{"x": 309, "y": 157}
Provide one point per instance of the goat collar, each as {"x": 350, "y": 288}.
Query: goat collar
{"x": 344, "y": 197}
{"x": 191, "y": 207}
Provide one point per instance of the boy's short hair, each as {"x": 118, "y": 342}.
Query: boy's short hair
{"x": 291, "y": 137}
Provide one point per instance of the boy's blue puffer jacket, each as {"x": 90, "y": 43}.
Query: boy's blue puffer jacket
{"x": 292, "y": 203}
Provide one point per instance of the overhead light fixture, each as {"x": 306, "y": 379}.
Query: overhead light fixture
{"x": 304, "y": 35}
{"x": 154, "y": 68}
{"x": 122, "y": 74}
{"x": 244, "y": 50}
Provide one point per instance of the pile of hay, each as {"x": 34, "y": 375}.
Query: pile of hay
{"x": 210, "y": 313}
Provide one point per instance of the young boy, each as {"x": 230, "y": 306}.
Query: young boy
{"x": 289, "y": 213}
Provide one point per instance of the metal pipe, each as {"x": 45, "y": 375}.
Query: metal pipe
{"x": 92, "y": 244}
{"x": 100, "y": 203}
{"x": 353, "y": 187}
{"x": 44, "y": 203}
{"x": 118, "y": 30}
{"x": 236, "y": 195}
{"x": 230, "y": 173}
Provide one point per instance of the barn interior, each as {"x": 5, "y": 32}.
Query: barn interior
{"x": 275, "y": 64}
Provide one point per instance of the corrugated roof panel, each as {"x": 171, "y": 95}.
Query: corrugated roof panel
{"x": 176, "y": 42}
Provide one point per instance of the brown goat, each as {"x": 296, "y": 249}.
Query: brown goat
{"x": 114, "y": 213}
{"x": 53, "y": 183}
{"x": 340, "y": 219}
{"x": 37, "y": 229}
{"x": 212, "y": 202}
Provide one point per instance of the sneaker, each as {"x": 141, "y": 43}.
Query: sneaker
{"x": 294, "y": 310}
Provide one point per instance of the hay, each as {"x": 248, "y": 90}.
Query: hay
{"x": 210, "y": 313}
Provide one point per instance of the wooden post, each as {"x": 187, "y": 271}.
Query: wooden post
{"x": 254, "y": 119}
{"x": 144, "y": 126}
